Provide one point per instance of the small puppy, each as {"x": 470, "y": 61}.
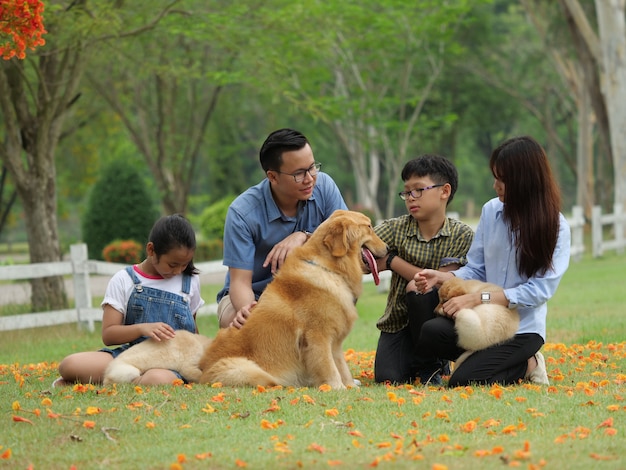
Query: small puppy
{"x": 482, "y": 326}
{"x": 182, "y": 353}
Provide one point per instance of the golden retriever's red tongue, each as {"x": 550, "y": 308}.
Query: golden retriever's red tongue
{"x": 368, "y": 257}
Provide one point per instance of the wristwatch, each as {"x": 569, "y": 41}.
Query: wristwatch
{"x": 485, "y": 297}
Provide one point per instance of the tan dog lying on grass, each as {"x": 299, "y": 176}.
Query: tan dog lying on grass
{"x": 182, "y": 353}
{"x": 482, "y": 326}
{"x": 294, "y": 334}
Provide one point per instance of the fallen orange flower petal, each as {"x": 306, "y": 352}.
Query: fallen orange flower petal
{"x": 203, "y": 456}
{"x": 334, "y": 463}
{"x": 332, "y": 412}
{"x": 15, "y": 406}
{"x": 46, "y": 402}
{"x": 89, "y": 424}
{"x": 6, "y": 455}
{"x": 607, "y": 423}
{"x": 595, "y": 456}
{"x": 324, "y": 388}
{"x": 316, "y": 447}
{"x": 610, "y": 431}
{"x": 93, "y": 410}
{"x": 19, "y": 419}
{"x": 470, "y": 426}
{"x": 241, "y": 463}
{"x": 356, "y": 433}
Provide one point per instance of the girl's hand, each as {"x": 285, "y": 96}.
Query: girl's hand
{"x": 242, "y": 315}
{"x": 158, "y": 331}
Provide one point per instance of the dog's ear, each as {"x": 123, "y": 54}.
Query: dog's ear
{"x": 337, "y": 237}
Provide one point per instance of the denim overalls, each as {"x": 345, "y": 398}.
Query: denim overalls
{"x": 150, "y": 305}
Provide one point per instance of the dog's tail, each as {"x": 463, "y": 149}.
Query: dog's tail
{"x": 238, "y": 371}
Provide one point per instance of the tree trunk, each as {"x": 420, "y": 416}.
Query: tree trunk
{"x": 35, "y": 97}
{"x": 612, "y": 27}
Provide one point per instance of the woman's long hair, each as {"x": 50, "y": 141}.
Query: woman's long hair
{"x": 532, "y": 201}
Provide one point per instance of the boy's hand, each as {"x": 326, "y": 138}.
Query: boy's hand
{"x": 426, "y": 279}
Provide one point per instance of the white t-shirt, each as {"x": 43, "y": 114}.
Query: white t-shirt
{"x": 121, "y": 286}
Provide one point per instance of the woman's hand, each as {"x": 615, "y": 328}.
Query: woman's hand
{"x": 453, "y": 305}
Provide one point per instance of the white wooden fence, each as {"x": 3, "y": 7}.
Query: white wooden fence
{"x": 79, "y": 267}
{"x": 618, "y": 220}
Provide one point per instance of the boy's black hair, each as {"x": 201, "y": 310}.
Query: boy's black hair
{"x": 278, "y": 142}
{"x": 438, "y": 168}
{"x": 173, "y": 231}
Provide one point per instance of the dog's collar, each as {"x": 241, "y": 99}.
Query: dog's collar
{"x": 310, "y": 261}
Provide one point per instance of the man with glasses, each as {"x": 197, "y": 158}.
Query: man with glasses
{"x": 424, "y": 238}
{"x": 268, "y": 220}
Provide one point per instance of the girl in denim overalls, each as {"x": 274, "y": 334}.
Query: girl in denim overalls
{"x": 150, "y": 300}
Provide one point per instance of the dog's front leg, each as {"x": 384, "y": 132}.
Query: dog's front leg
{"x": 320, "y": 365}
{"x": 342, "y": 366}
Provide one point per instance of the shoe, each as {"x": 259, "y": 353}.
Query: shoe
{"x": 539, "y": 374}
{"x": 430, "y": 377}
{"x": 59, "y": 382}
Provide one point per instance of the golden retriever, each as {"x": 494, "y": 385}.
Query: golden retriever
{"x": 482, "y": 326}
{"x": 182, "y": 353}
{"x": 295, "y": 332}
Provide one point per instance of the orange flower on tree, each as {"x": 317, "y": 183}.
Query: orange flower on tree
{"x": 21, "y": 27}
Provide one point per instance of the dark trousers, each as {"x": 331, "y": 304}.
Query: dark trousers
{"x": 505, "y": 363}
{"x": 400, "y": 358}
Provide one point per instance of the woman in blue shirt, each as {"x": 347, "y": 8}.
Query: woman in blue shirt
{"x": 522, "y": 243}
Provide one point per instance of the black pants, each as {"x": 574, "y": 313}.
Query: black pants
{"x": 400, "y": 358}
{"x": 505, "y": 363}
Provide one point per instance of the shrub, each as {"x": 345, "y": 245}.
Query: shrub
{"x": 209, "y": 250}
{"x": 213, "y": 218}
{"x": 123, "y": 251}
{"x": 119, "y": 208}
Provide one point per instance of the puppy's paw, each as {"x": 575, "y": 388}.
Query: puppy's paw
{"x": 120, "y": 373}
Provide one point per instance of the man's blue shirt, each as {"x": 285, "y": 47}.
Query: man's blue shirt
{"x": 254, "y": 224}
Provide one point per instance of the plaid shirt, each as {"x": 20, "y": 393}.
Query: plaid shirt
{"x": 403, "y": 237}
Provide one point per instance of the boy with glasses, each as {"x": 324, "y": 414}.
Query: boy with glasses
{"x": 268, "y": 220}
{"x": 424, "y": 238}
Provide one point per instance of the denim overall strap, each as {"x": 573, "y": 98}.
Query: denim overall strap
{"x": 148, "y": 305}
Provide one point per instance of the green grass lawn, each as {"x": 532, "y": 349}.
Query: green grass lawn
{"x": 576, "y": 423}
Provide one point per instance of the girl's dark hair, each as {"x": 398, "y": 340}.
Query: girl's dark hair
{"x": 173, "y": 231}
{"x": 438, "y": 168}
{"x": 532, "y": 201}
{"x": 278, "y": 142}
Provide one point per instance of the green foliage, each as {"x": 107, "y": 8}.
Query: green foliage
{"x": 119, "y": 207}
{"x": 123, "y": 251}
{"x": 213, "y": 218}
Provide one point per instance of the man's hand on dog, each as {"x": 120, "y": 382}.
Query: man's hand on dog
{"x": 242, "y": 315}
{"x": 277, "y": 256}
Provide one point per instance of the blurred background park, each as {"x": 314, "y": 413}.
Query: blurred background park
{"x": 135, "y": 109}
